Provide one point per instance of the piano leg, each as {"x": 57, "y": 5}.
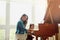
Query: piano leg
{"x": 43, "y": 38}
{"x": 36, "y": 38}
{"x": 56, "y": 36}
{"x": 47, "y": 39}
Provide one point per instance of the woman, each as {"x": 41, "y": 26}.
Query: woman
{"x": 21, "y": 31}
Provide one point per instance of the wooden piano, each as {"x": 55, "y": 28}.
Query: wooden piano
{"x": 46, "y": 30}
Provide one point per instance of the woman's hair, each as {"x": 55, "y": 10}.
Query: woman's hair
{"x": 25, "y": 22}
{"x": 24, "y": 15}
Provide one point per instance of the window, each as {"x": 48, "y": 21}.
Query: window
{"x": 2, "y": 12}
{"x": 2, "y": 34}
{"x": 25, "y": 7}
{"x": 12, "y": 34}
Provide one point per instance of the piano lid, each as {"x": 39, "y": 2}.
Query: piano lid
{"x": 53, "y": 12}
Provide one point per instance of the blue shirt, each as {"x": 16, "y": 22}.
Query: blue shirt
{"x": 20, "y": 28}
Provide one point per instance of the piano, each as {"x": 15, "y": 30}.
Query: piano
{"x": 46, "y": 30}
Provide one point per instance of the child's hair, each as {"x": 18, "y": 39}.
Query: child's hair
{"x": 31, "y": 25}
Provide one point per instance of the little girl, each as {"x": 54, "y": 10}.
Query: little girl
{"x": 30, "y": 32}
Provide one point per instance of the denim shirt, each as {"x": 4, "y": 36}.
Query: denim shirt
{"x": 20, "y": 28}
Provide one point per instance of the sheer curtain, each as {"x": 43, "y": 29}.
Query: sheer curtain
{"x": 19, "y": 7}
{"x": 2, "y": 12}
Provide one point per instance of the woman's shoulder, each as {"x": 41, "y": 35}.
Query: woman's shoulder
{"x": 20, "y": 22}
